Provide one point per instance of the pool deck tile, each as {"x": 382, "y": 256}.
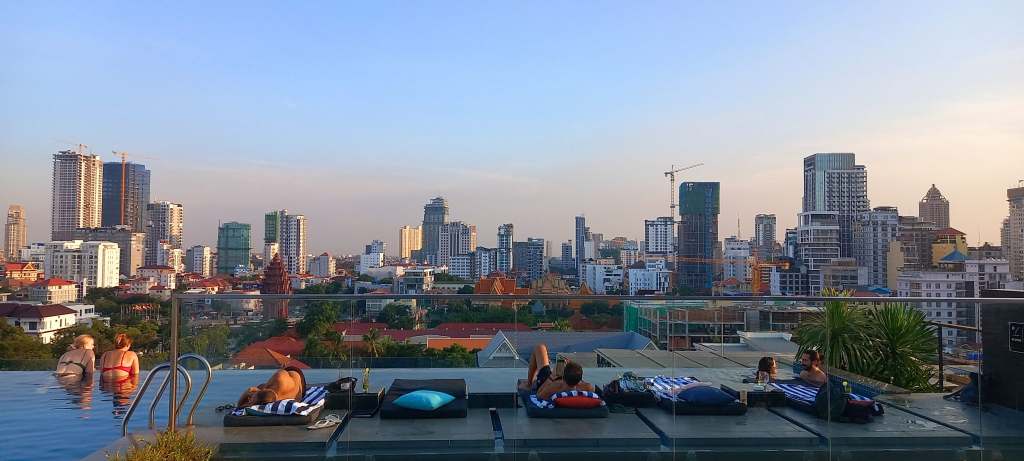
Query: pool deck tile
{"x": 473, "y": 431}
{"x": 995, "y": 425}
{"x": 757, "y": 428}
{"x": 897, "y": 429}
{"x": 616, "y": 431}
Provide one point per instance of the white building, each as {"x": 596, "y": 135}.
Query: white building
{"x": 1012, "y": 233}
{"x": 603, "y": 278}
{"x": 377, "y": 246}
{"x": 199, "y": 260}
{"x": 164, "y": 276}
{"x": 293, "y": 243}
{"x": 655, "y": 278}
{"x": 170, "y": 257}
{"x": 85, "y": 314}
{"x": 166, "y": 223}
{"x": 41, "y": 321}
{"x": 461, "y": 266}
{"x": 506, "y": 235}
{"x": 77, "y": 199}
{"x": 485, "y": 262}
{"x": 270, "y": 249}
{"x": 409, "y": 239}
{"x": 764, "y": 236}
{"x": 322, "y": 266}
{"x": 659, "y": 237}
{"x": 630, "y": 256}
{"x": 873, "y": 231}
{"x": 33, "y": 252}
{"x": 454, "y": 238}
{"x": 94, "y": 264}
{"x": 736, "y": 254}
{"x": 416, "y": 280}
{"x": 53, "y": 291}
{"x": 817, "y": 244}
{"x": 370, "y": 261}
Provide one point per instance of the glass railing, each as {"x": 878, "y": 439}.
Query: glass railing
{"x": 701, "y": 377}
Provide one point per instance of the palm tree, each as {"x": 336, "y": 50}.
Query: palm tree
{"x": 838, "y": 332}
{"x": 374, "y": 342}
{"x": 903, "y": 345}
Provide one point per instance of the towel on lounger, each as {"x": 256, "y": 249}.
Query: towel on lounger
{"x": 807, "y": 394}
{"x": 312, "y": 400}
{"x": 662, "y": 386}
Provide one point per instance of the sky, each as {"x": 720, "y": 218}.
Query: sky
{"x": 357, "y": 113}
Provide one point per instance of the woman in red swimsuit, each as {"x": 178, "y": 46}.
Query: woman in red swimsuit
{"x": 119, "y": 364}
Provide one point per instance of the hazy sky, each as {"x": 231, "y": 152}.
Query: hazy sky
{"x": 356, "y": 113}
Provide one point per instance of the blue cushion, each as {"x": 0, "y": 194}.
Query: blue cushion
{"x": 424, "y": 400}
{"x": 706, "y": 395}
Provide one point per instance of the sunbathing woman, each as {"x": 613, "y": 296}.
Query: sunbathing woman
{"x": 287, "y": 383}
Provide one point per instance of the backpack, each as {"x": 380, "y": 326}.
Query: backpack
{"x": 833, "y": 404}
{"x": 628, "y": 391}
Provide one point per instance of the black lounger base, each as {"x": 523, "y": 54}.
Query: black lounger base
{"x": 457, "y": 408}
{"x": 533, "y": 411}
{"x": 270, "y": 420}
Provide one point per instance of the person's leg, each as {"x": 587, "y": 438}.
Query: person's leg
{"x": 538, "y": 360}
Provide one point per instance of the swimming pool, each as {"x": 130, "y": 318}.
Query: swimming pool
{"x": 52, "y": 419}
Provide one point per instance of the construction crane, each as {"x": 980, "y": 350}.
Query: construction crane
{"x": 671, "y": 175}
{"x": 124, "y": 173}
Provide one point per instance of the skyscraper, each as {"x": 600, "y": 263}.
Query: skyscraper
{"x": 764, "y": 236}
{"x": 873, "y": 232}
{"x": 934, "y": 208}
{"x": 455, "y": 239}
{"x": 834, "y": 183}
{"x": 818, "y": 244}
{"x": 77, "y": 199}
{"x": 435, "y": 215}
{"x": 233, "y": 247}
{"x": 567, "y": 262}
{"x": 199, "y": 260}
{"x": 581, "y": 241}
{"x": 409, "y": 239}
{"x": 1013, "y": 245}
{"x": 293, "y": 243}
{"x": 272, "y": 223}
{"x": 133, "y": 206}
{"x": 658, "y": 238}
{"x": 166, "y": 221}
{"x": 528, "y": 260}
{"x": 916, "y": 238}
{"x": 505, "y": 257}
{"x": 699, "y": 206}
{"x": 15, "y": 232}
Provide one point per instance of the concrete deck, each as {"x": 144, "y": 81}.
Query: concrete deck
{"x": 473, "y": 432}
{"x": 994, "y": 426}
{"x": 238, "y": 442}
{"x": 896, "y": 429}
{"x": 614, "y": 432}
{"x": 757, "y": 428}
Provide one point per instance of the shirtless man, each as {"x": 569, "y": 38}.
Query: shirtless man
{"x": 544, "y": 383}
{"x": 812, "y": 373}
{"x": 287, "y": 383}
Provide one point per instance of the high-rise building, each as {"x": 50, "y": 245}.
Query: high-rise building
{"x": 1013, "y": 240}
{"x": 131, "y": 245}
{"x": 131, "y": 208}
{"x": 658, "y": 238}
{"x": 170, "y": 257}
{"x": 199, "y": 260}
{"x": 322, "y": 266}
{"x": 934, "y": 208}
{"x": 376, "y": 246}
{"x": 528, "y": 260}
{"x": 567, "y": 262}
{"x": 15, "y": 232}
{"x": 454, "y": 239}
{"x": 834, "y": 183}
{"x": 233, "y": 247}
{"x": 505, "y": 239}
{"x": 293, "y": 243}
{"x": 736, "y": 254}
{"x": 93, "y": 264}
{"x": 916, "y": 238}
{"x": 166, "y": 222}
{"x": 817, "y": 244}
{"x": 764, "y": 237}
{"x": 582, "y": 236}
{"x": 77, "y": 192}
{"x": 272, "y": 226}
{"x": 790, "y": 242}
{"x": 699, "y": 205}
{"x": 409, "y": 239}
{"x": 485, "y": 262}
{"x": 435, "y": 215}
{"x": 873, "y": 232}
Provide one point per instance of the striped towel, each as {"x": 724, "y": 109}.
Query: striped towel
{"x": 541, "y": 403}
{"x": 806, "y": 394}
{"x": 313, "y": 399}
{"x": 662, "y": 386}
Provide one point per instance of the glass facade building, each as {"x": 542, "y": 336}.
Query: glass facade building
{"x": 233, "y": 247}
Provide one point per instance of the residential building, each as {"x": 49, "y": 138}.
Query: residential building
{"x": 130, "y": 208}
{"x": 233, "y": 247}
{"x": 582, "y": 236}
{"x": 1013, "y": 233}
{"x": 698, "y": 234}
{"x": 77, "y": 192}
{"x": 166, "y": 222}
{"x": 528, "y": 260}
{"x": 293, "y": 243}
{"x": 568, "y": 263}
{"x": 322, "y": 266}
{"x": 461, "y": 266}
{"x": 164, "y": 276}
{"x": 736, "y": 256}
{"x": 485, "y": 262}
{"x": 649, "y": 278}
{"x": 130, "y": 243}
{"x": 34, "y": 252}
{"x": 171, "y": 257}
{"x": 505, "y": 257}
{"x": 376, "y": 246}
{"x": 630, "y": 253}
{"x": 435, "y": 215}
{"x": 764, "y": 241}
{"x": 92, "y": 264}
{"x": 985, "y": 251}
{"x": 844, "y": 274}
{"x": 409, "y": 239}
{"x": 833, "y": 182}
{"x": 873, "y": 233}
{"x": 273, "y": 226}
{"x": 934, "y": 208}
{"x": 199, "y": 260}
{"x": 603, "y": 278}
{"x": 15, "y": 232}
{"x": 791, "y": 280}
{"x": 41, "y": 321}
{"x": 659, "y": 236}
{"x": 53, "y": 291}
{"x": 454, "y": 239}
{"x": 415, "y": 280}
{"x": 818, "y": 243}
{"x": 947, "y": 241}
{"x": 270, "y": 249}
{"x": 370, "y": 261}
{"x": 916, "y": 238}
{"x": 790, "y": 243}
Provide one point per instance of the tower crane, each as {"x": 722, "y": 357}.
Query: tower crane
{"x": 124, "y": 167}
{"x": 671, "y": 175}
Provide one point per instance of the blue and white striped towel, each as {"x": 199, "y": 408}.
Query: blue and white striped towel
{"x": 807, "y": 394}
{"x": 662, "y": 385}
{"x": 313, "y": 399}
{"x": 541, "y": 403}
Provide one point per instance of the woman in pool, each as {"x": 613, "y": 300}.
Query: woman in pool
{"x": 79, "y": 360}
{"x": 287, "y": 383}
{"x": 767, "y": 370}
{"x": 120, "y": 364}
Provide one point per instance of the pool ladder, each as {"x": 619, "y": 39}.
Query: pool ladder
{"x": 163, "y": 387}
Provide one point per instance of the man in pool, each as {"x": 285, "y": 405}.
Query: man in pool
{"x": 544, "y": 383}
{"x": 812, "y": 372}
{"x": 286, "y": 383}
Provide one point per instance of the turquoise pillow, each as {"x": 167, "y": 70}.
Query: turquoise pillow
{"x": 424, "y": 400}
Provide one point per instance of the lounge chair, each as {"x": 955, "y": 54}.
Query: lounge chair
{"x": 662, "y": 387}
{"x": 288, "y": 412}
{"x": 802, "y": 397}
{"x": 457, "y": 408}
{"x": 539, "y": 408}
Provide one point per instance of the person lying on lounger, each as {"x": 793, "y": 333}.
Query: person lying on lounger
{"x": 542, "y": 381}
{"x": 812, "y": 373}
{"x": 286, "y": 383}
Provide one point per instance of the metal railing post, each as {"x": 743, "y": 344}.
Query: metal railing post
{"x": 942, "y": 374}
{"x": 172, "y": 420}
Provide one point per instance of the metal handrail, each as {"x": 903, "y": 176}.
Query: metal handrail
{"x": 142, "y": 391}
{"x": 202, "y": 391}
{"x": 160, "y": 394}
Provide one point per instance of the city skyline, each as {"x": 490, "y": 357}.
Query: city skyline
{"x": 593, "y": 105}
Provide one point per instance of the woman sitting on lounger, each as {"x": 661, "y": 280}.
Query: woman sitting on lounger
{"x": 287, "y": 383}
{"x": 544, "y": 383}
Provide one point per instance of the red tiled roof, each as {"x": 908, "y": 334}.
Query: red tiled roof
{"x": 261, "y": 357}
{"x": 948, "y": 231}
{"x": 286, "y": 345}
{"x": 54, "y": 282}
{"x": 453, "y": 326}
{"x": 358, "y": 328}
{"x": 17, "y": 266}
{"x": 34, "y": 311}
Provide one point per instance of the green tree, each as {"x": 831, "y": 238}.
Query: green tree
{"x": 374, "y": 342}
{"x": 903, "y": 346}
{"x": 19, "y": 350}
{"x": 320, "y": 316}
{"x": 466, "y": 290}
{"x": 396, "y": 316}
{"x": 838, "y": 332}
{"x": 277, "y": 327}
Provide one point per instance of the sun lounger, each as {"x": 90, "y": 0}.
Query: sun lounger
{"x": 801, "y": 397}
{"x": 663, "y": 386}
{"x": 287, "y": 412}
{"x": 457, "y": 408}
{"x": 538, "y": 408}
